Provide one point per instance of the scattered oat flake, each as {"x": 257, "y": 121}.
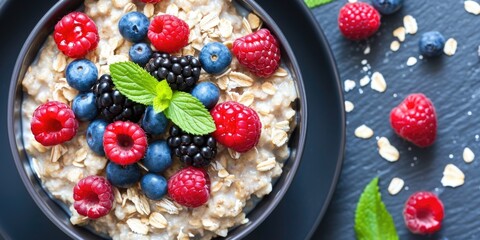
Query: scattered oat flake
{"x": 472, "y": 7}
{"x": 395, "y": 186}
{"x": 137, "y": 226}
{"x": 400, "y": 33}
{"x": 378, "y": 82}
{"x": 450, "y": 47}
{"x": 468, "y": 155}
{"x": 349, "y": 85}
{"x": 411, "y": 61}
{"x": 452, "y": 176}
{"x": 254, "y": 20}
{"x": 394, "y": 46}
{"x": 367, "y": 50}
{"x": 389, "y": 153}
{"x": 410, "y": 24}
{"x": 157, "y": 220}
{"x": 266, "y": 165}
{"x": 383, "y": 141}
{"x": 363, "y": 132}
{"x": 364, "y": 81}
{"x": 349, "y": 106}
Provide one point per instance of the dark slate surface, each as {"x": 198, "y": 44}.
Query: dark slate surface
{"x": 453, "y": 85}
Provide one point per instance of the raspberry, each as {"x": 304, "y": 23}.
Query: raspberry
{"x": 168, "y": 33}
{"x": 258, "y": 52}
{"x": 53, "y": 123}
{"x": 190, "y": 187}
{"x": 237, "y": 126}
{"x": 415, "y": 120}
{"x": 93, "y": 197}
{"x": 124, "y": 142}
{"x": 76, "y": 35}
{"x": 423, "y": 213}
{"x": 358, "y": 20}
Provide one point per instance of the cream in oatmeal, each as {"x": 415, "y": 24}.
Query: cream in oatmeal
{"x": 234, "y": 177}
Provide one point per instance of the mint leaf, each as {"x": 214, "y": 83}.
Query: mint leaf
{"x": 316, "y": 3}
{"x": 164, "y": 95}
{"x": 189, "y": 114}
{"x": 372, "y": 220}
{"x": 134, "y": 82}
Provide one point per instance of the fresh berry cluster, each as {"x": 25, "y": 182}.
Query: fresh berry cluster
{"x": 128, "y": 133}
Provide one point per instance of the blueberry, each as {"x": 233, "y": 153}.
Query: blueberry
{"x": 387, "y": 6}
{"x": 207, "y": 93}
{"x": 431, "y": 44}
{"x": 215, "y": 57}
{"x": 134, "y": 26}
{"x": 123, "y": 176}
{"x": 154, "y": 123}
{"x": 153, "y": 186}
{"x": 140, "y": 53}
{"x": 158, "y": 156}
{"x": 84, "y": 106}
{"x": 81, "y": 74}
{"x": 95, "y": 132}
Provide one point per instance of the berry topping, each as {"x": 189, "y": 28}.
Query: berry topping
{"x": 133, "y": 26}
{"x": 95, "y": 132}
{"x": 258, "y": 52}
{"x": 53, "y": 123}
{"x": 415, "y": 120}
{"x": 168, "y": 33}
{"x": 113, "y": 105}
{"x": 358, "y": 20}
{"x": 153, "y": 186}
{"x": 84, "y": 106}
{"x": 431, "y": 44}
{"x": 93, "y": 197}
{"x": 190, "y": 187}
{"x": 154, "y": 123}
{"x": 423, "y": 213}
{"x": 76, "y": 35}
{"x": 140, "y": 53}
{"x": 215, "y": 57}
{"x": 81, "y": 74}
{"x": 387, "y": 6}
{"x": 192, "y": 150}
{"x": 181, "y": 73}
{"x": 238, "y": 126}
{"x": 158, "y": 157}
{"x": 208, "y": 94}
{"x": 123, "y": 176}
{"x": 124, "y": 142}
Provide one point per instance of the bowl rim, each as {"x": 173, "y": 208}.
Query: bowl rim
{"x": 62, "y": 7}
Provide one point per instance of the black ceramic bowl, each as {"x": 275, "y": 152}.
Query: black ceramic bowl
{"x": 55, "y": 211}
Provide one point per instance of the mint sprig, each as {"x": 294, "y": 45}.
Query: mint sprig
{"x": 372, "y": 219}
{"x": 316, "y": 3}
{"x": 186, "y": 111}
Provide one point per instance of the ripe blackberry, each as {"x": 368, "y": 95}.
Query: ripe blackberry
{"x": 113, "y": 105}
{"x": 192, "y": 150}
{"x": 181, "y": 73}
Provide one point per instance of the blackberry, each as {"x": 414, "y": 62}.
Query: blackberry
{"x": 113, "y": 105}
{"x": 181, "y": 73}
{"x": 192, "y": 150}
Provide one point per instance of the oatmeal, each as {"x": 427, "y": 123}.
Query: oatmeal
{"x": 234, "y": 177}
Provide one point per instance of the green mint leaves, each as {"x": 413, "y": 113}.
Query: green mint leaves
{"x": 186, "y": 111}
{"x": 372, "y": 220}
{"x": 185, "y": 107}
{"x": 316, "y": 3}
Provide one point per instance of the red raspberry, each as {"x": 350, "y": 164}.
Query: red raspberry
{"x": 76, "y": 35}
{"x": 258, "y": 52}
{"x": 124, "y": 142}
{"x": 93, "y": 197}
{"x": 168, "y": 33}
{"x": 358, "y": 20}
{"x": 190, "y": 187}
{"x": 238, "y": 126}
{"x": 53, "y": 123}
{"x": 415, "y": 120}
{"x": 423, "y": 213}
{"x": 151, "y": 1}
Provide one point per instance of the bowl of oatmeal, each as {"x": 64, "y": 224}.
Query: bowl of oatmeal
{"x": 242, "y": 180}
